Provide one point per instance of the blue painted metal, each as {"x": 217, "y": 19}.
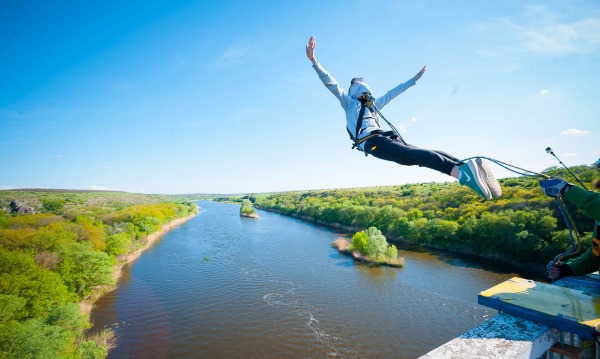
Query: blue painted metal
{"x": 572, "y": 306}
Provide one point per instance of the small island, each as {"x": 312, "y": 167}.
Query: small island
{"x": 247, "y": 210}
{"x": 370, "y": 246}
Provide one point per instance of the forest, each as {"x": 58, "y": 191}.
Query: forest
{"x": 524, "y": 227}
{"x": 60, "y": 248}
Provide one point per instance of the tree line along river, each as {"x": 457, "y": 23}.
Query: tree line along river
{"x": 226, "y": 286}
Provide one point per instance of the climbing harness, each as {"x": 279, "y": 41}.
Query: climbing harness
{"x": 354, "y": 137}
{"x": 367, "y": 102}
{"x": 395, "y": 132}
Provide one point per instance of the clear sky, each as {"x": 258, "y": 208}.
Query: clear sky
{"x": 219, "y": 97}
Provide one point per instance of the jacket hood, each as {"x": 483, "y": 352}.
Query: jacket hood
{"x": 358, "y": 87}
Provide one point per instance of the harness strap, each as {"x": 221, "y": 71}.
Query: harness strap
{"x": 361, "y": 115}
{"x": 372, "y": 134}
{"x": 365, "y": 103}
{"x": 353, "y": 137}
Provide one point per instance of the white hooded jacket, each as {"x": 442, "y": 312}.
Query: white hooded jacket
{"x": 351, "y": 105}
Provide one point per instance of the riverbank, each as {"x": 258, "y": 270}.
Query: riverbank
{"x": 532, "y": 269}
{"x": 150, "y": 241}
{"x": 87, "y": 304}
{"x": 255, "y": 284}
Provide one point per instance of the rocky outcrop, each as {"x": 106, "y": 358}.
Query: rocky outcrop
{"x": 19, "y": 207}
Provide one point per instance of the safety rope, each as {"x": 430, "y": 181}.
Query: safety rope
{"x": 512, "y": 168}
{"x": 369, "y": 101}
{"x": 389, "y": 124}
{"x": 573, "y": 233}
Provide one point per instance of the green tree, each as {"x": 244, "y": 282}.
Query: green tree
{"x": 391, "y": 252}
{"x": 247, "y": 207}
{"x": 12, "y": 307}
{"x": 48, "y": 237}
{"x": 148, "y": 224}
{"x": 92, "y": 231}
{"x": 359, "y": 242}
{"x": 523, "y": 225}
{"x": 3, "y": 219}
{"x": 68, "y": 317}
{"x": 118, "y": 243}
{"x": 82, "y": 268}
{"x": 33, "y": 339}
{"x": 376, "y": 243}
{"x": 376, "y": 247}
{"x": 21, "y": 277}
{"x": 16, "y": 238}
{"x": 54, "y": 206}
{"x": 402, "y": 227}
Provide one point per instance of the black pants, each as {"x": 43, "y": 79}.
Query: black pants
{"x": 391, "y": 149}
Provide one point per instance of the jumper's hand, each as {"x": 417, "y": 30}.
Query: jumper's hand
{"x": 555, "y": 187}
{"x": 310, "y": 48}
{"x": 558, "y": 270}
{"x": 553, "y": 270}
{"x": 418, "y": 76}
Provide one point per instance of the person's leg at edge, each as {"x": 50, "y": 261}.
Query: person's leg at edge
{"x": 407, "y": 155}
{"x": 467, "y": 173}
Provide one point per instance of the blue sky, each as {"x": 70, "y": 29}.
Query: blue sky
{"x": 219, "y": 97}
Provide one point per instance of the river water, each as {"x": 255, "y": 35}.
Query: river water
{"x": 223, "y": 286}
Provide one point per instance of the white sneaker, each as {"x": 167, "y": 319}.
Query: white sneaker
{"x": 488, "y": 177}
{"x": 470, "y": 176}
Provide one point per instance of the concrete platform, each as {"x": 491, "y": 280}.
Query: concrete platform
{"x": 569, "y": 305}
{"x": 504, "y": 336}
{"x": 532, "y": 314}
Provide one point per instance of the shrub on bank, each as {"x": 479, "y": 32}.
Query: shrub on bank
{"x": 370, "y": 246}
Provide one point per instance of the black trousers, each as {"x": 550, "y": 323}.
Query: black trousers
{"x": 392, "y": 149}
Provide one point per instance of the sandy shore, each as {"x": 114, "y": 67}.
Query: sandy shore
{"x": 87, "y": 303}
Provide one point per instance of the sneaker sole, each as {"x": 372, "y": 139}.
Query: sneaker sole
{"x": 488, "y": 177}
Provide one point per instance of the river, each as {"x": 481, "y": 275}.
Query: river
{"x": 223, "y": 286}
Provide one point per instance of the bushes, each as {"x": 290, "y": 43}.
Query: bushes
{"x": 53, "y": 205}
{"x": 59, "y": 334}
{"x": 83, "y": 268}
{"x": 148, "y": 218}
{"x": 118, "y": 243}
{"x": 359, "y": 242}
{"x": 524, "y": 224}
{"x": 247, "y": 207}
{"x": 33, "y": 339}
{"x": 49, "y": 262}
{"x": 372, "y": 244}
{"x": 21, "y": 279}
